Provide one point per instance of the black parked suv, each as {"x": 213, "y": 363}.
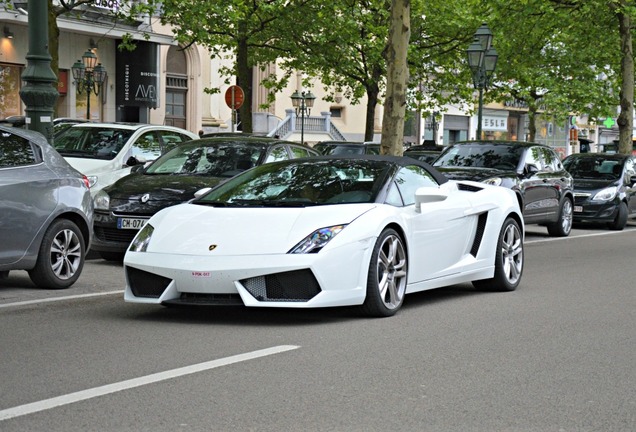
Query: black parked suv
{"x": 533, "y": 171}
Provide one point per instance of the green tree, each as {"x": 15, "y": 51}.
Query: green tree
{"x": 252, "y": 32}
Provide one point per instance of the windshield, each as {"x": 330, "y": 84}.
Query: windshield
{"x": 302, "y": 182}
{"x": 594, "y": 167}
{"x": 94, "y": 143}
{"x": 217, "y": 159}
{"x": 481, "y": 155}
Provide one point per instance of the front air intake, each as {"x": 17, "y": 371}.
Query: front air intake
{"x": 293, "y": 286}
{"x": 146, "y": 284}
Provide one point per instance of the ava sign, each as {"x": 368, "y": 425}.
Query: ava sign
{"x": 234, "y": 97}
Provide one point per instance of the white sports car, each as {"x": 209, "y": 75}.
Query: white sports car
{"x": 328, "y": 231}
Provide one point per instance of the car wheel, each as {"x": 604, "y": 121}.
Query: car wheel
{"x": 621, "y": 218}
{"x": 508, "y": 260}
{"x": 61, "y": 256}
{"x": 563, "y": 226}
{"x": 386, "y": 283}
{"x": 112, "y": 256}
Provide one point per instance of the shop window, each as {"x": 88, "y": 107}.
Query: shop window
{"x": 9, "y": 90}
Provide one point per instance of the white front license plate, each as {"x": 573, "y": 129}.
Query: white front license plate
{"x": 131, "y": 223}
{"x": 578, "y": 209}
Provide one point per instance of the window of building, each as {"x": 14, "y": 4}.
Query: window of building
{"x": 10, "y": 90}
{"x": 336, "y": 112}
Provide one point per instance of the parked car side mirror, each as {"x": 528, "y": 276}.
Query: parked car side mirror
{"x": 132, "y": 161}
{"x": 530, "y": 170}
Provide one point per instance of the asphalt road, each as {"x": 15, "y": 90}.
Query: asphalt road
{"x": 558, "y": 354}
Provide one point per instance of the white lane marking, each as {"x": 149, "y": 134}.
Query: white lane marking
{"x": 137, "y": 382}
{"x": 551, "y": 239}
{"x": 54, "y": 299}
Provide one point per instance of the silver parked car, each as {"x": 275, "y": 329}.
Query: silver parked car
{"x": 46, "y": 211}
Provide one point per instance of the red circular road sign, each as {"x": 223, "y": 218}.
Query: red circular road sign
{"x": 234, "y": 97}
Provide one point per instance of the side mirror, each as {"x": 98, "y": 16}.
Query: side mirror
{"x": 202, "y": 192}
{"x": 531, "y": 169}
{"x": 132, "y": 161}
{"x": 426, "y": 195}
{"x": 137, "y": 168}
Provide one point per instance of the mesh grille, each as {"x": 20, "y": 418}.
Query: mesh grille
{"x": 145, "y": 284}
{"x": 479, "y": 233}
{"x": 115, "y": 235}
{"x": 298, "y": 285}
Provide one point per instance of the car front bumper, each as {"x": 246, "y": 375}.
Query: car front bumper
{"x": 337, "y": 277}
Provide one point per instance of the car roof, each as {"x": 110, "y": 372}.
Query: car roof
{"x": 28, "y": 134}
{"x": 130, "y": 126}
{"x": 608, "y": 156}
{"x": 523, "y": 144}
{"x": 400, "y": 161}
{"x": 249, "y": 139}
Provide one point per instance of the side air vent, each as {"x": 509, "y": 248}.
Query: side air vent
{"x": 468, "y": 188}
{"x": 479, "y": 233}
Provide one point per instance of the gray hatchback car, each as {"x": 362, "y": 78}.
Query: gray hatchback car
{"x": 46, "y": 211}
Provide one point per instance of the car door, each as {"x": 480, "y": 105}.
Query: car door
{"x": 629, "y": 177}
{"x": 438, "y": 233}
{"x": 532, "y": 185}
{"x": 28, "y": 195}
{"x": 554, "y": 178}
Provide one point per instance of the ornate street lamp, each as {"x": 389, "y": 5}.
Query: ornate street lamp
{"x": 302, "y": 102}
{"x": 89, "y": 77}
{"x": 482, "y": 59}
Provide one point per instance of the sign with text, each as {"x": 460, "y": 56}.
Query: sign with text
{"x": 137, "y": 76}
{"x": 492, "y": 123}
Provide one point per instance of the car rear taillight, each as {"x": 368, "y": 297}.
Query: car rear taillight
{"x": 86, "y": 182}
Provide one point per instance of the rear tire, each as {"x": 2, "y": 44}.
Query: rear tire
{"x": 508, "y": 260}
{"x": 621, "y": 218}
{"x": 386, "y": 283}
{"x": 61, "y": 256}
{"x": 563, "y": 226}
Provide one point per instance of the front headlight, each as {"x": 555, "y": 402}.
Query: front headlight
{"x": 495, "y": 181}
{"x": 102, "y": 200}
{"x": 92, "y": 180}
{"x": 606, "y": 194}
{"x": 142, "y": 239}
{"x": 318, "y": 239}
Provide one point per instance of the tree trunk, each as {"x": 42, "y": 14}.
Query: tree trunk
{"x": 244, "y": 79}
{"x": 397, "y": 78}
{"x": 625, "y": 118}
{"x": 532, "y": 125}
{"x": 373, "y": 93}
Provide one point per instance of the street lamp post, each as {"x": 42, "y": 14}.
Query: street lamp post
{"x": 302, "y": 102}
{"x": 39, "y": 93}
{"x": 482, "y": 59}
{"x": 89, "y": 77}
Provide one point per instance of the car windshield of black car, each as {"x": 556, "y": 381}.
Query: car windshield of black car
{"x": 224, "y": 159}
{"x": 481, "y": 155}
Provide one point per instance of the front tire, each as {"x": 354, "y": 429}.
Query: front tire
{"x": 386, "y": 282}
{"x": 508, "y": 260}
{"x": 563, "y": 226}
{"x": 621, "y": 218}
{"x": 61, "y": 256}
